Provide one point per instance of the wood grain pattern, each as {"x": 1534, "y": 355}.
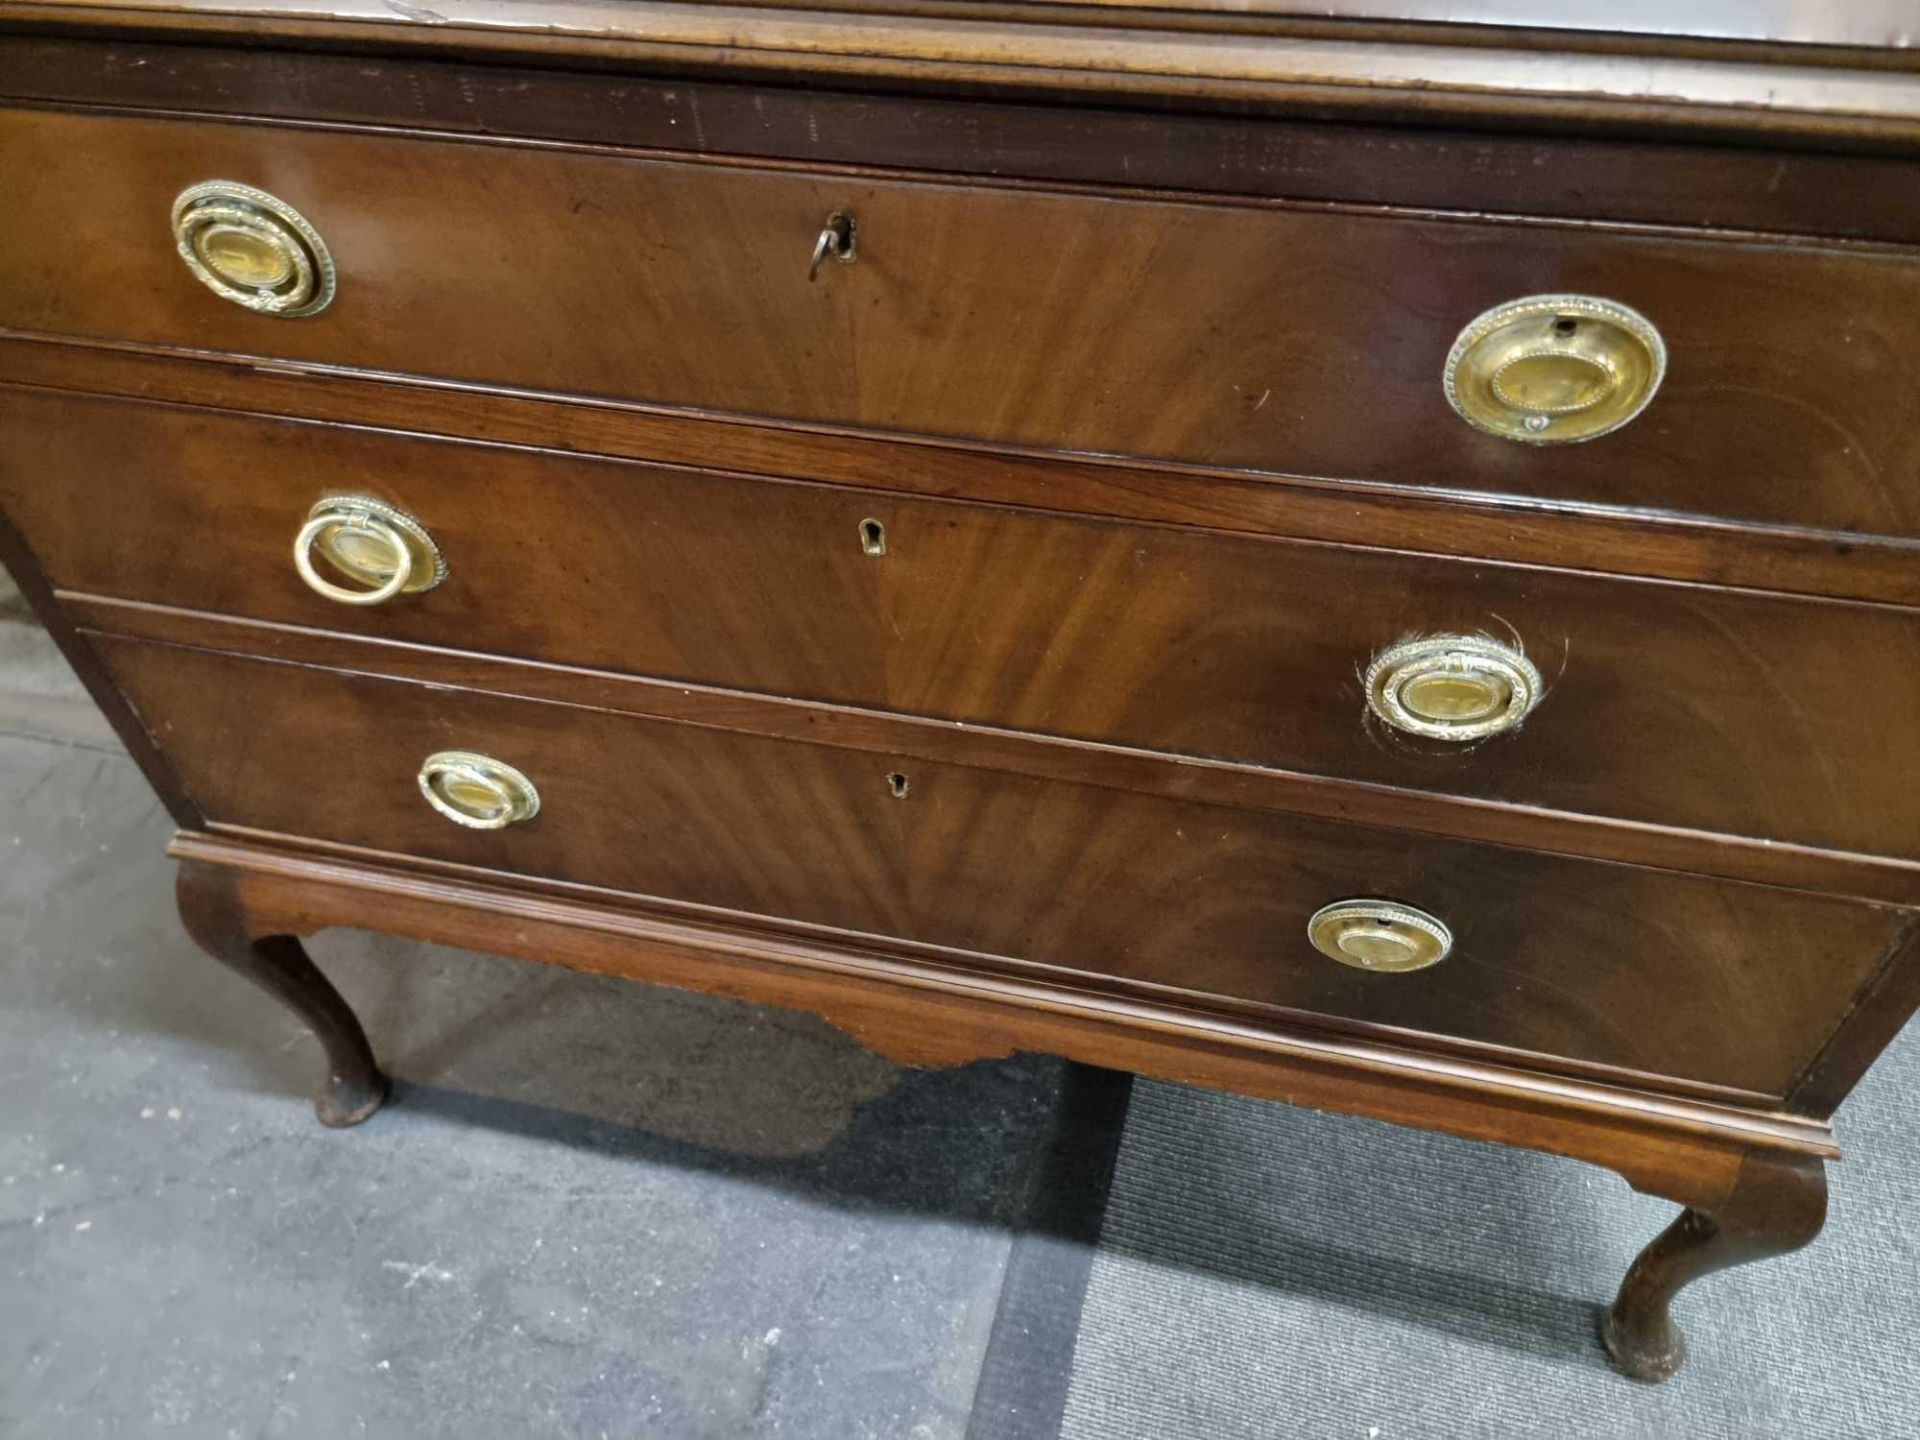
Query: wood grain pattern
{"x": 1877, "y": 23}
{"x": 1139, "y": 369}
{"x": 1666, "y": 704}
{"x": 1889, "y": 1001}
{"x": 1279, "y": 338}
{"x": 900, "y": 1004}
{"x": 1080, "y": 762}
{"x": 1687, "y": 1151}
{"x": 1776, "y": 1205}
{"x": 1677, "y": 547}
{"x": 1623, "y": 967}
{"x": 1581, "y": 176}
{"x": 1694, "y": 90}
{"x": 23, "y": 567}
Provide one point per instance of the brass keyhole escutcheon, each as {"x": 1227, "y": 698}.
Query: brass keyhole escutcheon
{"x": 1452, "y": 687}
{"x": 1379, "y": 935}
{"x": 253, "y": 248}
{"x": 1551, "y": 369}
{"x": 873, "y": 537}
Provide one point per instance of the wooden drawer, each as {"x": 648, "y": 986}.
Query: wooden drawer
{"x": 1707, "y": 709}
{"x": 1615, "y": 966}
{"x": 1298, "y": 339}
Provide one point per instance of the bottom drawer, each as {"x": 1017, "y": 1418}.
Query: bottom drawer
{"x": 1606, "y": 965}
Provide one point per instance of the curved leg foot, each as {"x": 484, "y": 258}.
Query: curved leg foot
{"x": 1777, "y": 1204}
{"x": 354, "y": 1087}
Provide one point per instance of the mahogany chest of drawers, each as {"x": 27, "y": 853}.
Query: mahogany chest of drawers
{"x": 1356, "y": 560}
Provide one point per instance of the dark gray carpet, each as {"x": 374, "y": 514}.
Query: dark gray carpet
{"x": 1266, "y": 1271}
{"x": 595, "y": 1209}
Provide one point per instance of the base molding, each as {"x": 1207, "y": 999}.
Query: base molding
{"x": 920, "y": 1013}
{"x": 1752, "y": 1183}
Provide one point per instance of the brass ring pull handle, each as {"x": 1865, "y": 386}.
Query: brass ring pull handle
{"x": 1381, "y": 935}
{"x": 370, "y": 542}
{"x": 836, "y": 239}
{"x": 1551, "y": 369}
{"x": 477, "y": 791}
{"x": 1452, "y": 687}
{"x": 252, "y": 248}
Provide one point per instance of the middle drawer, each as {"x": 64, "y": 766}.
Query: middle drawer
{"x": 1725, "y": 711}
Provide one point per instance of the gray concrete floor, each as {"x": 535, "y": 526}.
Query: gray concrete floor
{"x": 593, "y": 1208}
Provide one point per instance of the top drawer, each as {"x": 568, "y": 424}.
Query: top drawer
{"x": 1298, "y": 340}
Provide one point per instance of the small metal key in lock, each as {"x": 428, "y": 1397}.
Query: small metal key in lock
{"x": 836, "y": 239}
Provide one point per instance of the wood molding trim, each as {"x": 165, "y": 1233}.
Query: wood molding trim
{"x": 1590, "y": 538}
{"x": 1622, "y": 180}
{"x": 1879, "y": 1013}
{"x": 922, "y": 1014}
{"x": 1877, "y": 879}
{"x": 25, "y": 570}
{"x": 1399, "y": 80}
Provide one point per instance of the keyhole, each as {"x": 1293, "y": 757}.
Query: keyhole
{"x": 873, "y": 537}
{"x": 897, "y": 783}
{"x": 1565, "y": 325}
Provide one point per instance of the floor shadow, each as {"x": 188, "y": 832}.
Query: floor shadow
{"x": 663, "y": 1077}
{"x": 928, "y": 1146}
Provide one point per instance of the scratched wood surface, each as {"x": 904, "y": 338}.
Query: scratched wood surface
{"x": 1279, "y": 338}
{"x": 1606, "y": 964}
{"x": 1680, "y": 705}
{"x": 1138, "y": 367}
{"x": 1678, "y": 75}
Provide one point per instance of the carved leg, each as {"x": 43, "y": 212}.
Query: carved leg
{"x": 1777, "y": 1204}
{"x": 354, "y": 1087}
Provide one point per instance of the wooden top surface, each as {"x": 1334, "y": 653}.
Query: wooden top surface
{"x": 1893, "y": 24}
{"x": 1833, "y": 74}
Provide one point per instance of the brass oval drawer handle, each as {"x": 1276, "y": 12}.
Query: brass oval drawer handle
{"x": 1452, "y": 687}
{"x": 1381, "y": 935}
{"x": 477, "y": 791}
{"x": 1550, "y": 369}
{"x": 369, "y": 542}
{"x": 252, "y": 248}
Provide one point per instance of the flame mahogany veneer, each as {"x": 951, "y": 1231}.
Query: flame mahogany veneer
{"x": 970, "y": 643}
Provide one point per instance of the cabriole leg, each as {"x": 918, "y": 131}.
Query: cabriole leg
{"x": 1777, "y": 1204}
{"x": 354, "y": 1087}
